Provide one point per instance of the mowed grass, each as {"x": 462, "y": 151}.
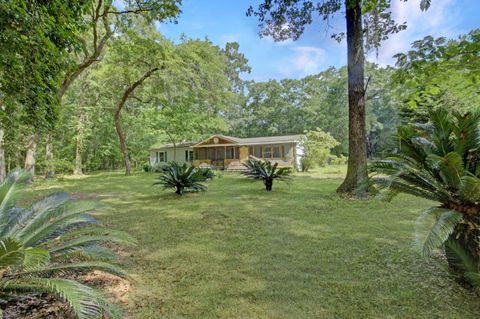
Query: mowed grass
{"x": 300, "y": 251}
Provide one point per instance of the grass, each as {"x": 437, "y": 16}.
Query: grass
{"x": 300, "y": 251}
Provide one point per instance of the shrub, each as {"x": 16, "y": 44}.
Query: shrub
{"x": 182, "y": 177}
{"x": 337, "y": 160}
{"x": 265, "y": 171}
{"x": 53, "y": 237}
{"x": 315, "y": 148}
{"x": 439, "y": 161}
{"x": 155, "y": 168}
{"x": 207, "y": 172}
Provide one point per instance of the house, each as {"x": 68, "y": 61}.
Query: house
{"x": 180, "y": 153}
{"x": 229, "y": 153}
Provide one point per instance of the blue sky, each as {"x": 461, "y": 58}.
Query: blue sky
{"x": 225, "y": 20}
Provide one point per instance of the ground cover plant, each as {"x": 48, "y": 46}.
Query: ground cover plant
{"x": 44, "y": 242}
{"x": 298, "y": 252}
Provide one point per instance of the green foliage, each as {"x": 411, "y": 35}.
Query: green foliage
{"x": 439, "y": 161}
{"x": 53, "y": 237}
{"x": 316, "y": 146}
{"x": 438, "y": 73}
{"x": 266, "y": 172}
{"x": 286, "y": 19}
{"x": 37, "y": 37}
{"x": 207, "y": 172}
{"x": 183, "y": 178}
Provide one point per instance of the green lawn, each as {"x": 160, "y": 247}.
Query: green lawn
{"x": 300, "y": 251}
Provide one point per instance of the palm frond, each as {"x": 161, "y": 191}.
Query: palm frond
{"x": 11, "y": 253}
{"x": 433, "y": 228}
{"x": 85, "y": 301}
{"x": 9, "y": 189}
{"x": 87, "y": 241}
{"x": 35, "y": 258}
{"x": 72, "y": 268}
{"x": 18, "y": 220}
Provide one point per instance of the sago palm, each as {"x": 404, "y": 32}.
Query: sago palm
{"x": 182, "y": 178}
{"x": 266, "y": 172}
{"x": 439, "y": 161}
{"x": 53, "y": 237}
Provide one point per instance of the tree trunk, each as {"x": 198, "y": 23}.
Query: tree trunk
{"x": 78, "y": 158}
{"x": 179, "y": 190}
{"x": 2, "y": 157}
{"x": 31, "y": 152}
{"x": 50, "y": 166}
{"x": 118, "y": 128}
{"x": 80, "y": 132}
{"x": 357, "y": 157}
{"x": 269, "y": 184}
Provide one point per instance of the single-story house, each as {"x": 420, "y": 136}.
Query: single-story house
{"x": 228, "y": 152}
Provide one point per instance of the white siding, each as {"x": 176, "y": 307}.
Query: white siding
{"x": 177, "y": 155}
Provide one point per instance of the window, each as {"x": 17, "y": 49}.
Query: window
{"x": 257, "y": 151}
{"x": 230, "y": 152}
{"x": 202, "y": 153}
{"x": 277, "y": 151}
{"x": 161, "y": 157}
{"x": 237, "y": 152}
{"x": 188, "y": 156}
{"x": 267, "y": 152}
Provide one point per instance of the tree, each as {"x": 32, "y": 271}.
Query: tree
{"x": 316, "y": 146}
{"x": 438, "y": 73}
{"x": 136, "y": 55}
{"x": 284, "y": 19}
{"x": 37, "y": 37}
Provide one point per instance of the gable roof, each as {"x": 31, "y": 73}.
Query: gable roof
{"x": 254, "y": 140}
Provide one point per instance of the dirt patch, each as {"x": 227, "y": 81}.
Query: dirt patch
{"x": 115, "y": 286}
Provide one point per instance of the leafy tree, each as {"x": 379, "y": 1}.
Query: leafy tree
{"x": 284, "y": 19}
{"x": 438, "y": 73}
{"x": 439, "y": 161}
{"x": 316, "y": 146}
{"x": 266, "y": 172}
{"x": 182, "y": 178}
{"x": 53, "y": 236}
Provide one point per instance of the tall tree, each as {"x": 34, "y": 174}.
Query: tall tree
{"x": 37, "y": 37}
{"x": 102, "y": 16}
{"x": 369, "y": 19}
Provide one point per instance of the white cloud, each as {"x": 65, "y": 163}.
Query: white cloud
{"x": 440, "y": 20}
{"x": 305, "y": 60}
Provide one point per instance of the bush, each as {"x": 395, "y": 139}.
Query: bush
{"x": 315, "y": 148}
{"x": 156, "y": 168}
{"x": 207, "y": 172}
{"x": 53, "y": 237}
{"x": 266, "y": 172}
{"x": 337, "y": 160}
{"x": 439, "y": 161}
{"x": 183, "y": 178}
